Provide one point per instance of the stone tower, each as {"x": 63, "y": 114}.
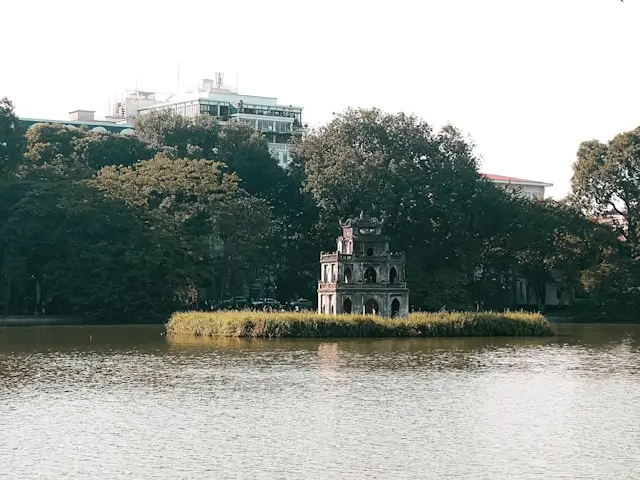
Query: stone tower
{"x": 363, "y": 276}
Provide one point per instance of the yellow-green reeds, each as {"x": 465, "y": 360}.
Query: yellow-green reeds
{"x": 312, "y": 325}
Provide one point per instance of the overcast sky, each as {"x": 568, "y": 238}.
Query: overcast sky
{"x": 527, "y": 80}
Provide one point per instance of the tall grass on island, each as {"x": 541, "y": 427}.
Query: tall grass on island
{"x": 314, "y": 325}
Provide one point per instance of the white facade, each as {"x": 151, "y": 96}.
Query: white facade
{"x": 276, "y": 122}
{"x": 555, "y": 294}
{"x": 526, "y": 188}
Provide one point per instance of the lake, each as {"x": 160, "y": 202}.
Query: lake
{"x": 126, "y": 402}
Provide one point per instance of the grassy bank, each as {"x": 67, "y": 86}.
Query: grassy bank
{"x": 310, "y": 325}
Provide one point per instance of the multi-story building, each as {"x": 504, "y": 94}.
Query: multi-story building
{"x": 526, "y": 188}
{"x": 276, "y": 122}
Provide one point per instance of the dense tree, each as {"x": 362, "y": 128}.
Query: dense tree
{"x": 244, "y": 151}
{"x": 612, "y": 288}
{"x": 606, "y": 185}
{"x": 223, "y": 229}
{"x": 59, "y": 151}
{"x": 11, "y": 139}
{"x": 48, "y": 141}
{"x": 606, "y": 182}
{"x": 179, "y": 136}
{"x": 65, "y": 249}
{"x": 554, "y": 245}
{"x": 424, "y": 183}
{"x": 127, "y": 226}
{"x": 236, "y": 144}
{"x": 99, "y": 149}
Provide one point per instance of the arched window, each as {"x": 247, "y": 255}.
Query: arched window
{"x": 395, "y": 307}
{"x": 346, "y": 305}
{"x": 371, "y": 307}
{"x": 370, "y": 275}
{"x": 370, "y": 252}
{"x": 326, "y": 274}
{"x": 347, "y": 275}
{"x": 393, "y": 275}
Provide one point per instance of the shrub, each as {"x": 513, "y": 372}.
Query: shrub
{"x": 310, "y": 325}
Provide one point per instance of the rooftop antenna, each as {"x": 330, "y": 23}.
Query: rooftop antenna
{"x": 237, "y": 82}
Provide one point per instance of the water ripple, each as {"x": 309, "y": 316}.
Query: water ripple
{"x": 564, "y": 408}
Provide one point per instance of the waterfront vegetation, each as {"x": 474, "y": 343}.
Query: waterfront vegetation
{"x": 122, "y": 227}
{"x": 310, "y": 325}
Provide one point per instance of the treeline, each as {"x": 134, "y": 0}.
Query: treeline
{"x": 123, "y": 227}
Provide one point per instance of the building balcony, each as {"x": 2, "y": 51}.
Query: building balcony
{"x": 345, "y": 257}
{"x": 278, "y": 147}
{"x": 272, "y": 113}
{"x": 329, "y": 257}
{"x": 361, "y": 286}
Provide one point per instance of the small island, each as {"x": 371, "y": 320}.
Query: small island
{"x": 362, "y": 292}
{"x": 318, "y": 325}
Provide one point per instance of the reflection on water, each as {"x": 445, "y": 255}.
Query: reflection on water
{"x": 128, "y": 402}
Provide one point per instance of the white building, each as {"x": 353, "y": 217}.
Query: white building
{"x": 556, "y": 294}
{"x": 125, "y": 109}
{"x": 527, "y": 188}
{"x": 276, "y": 122}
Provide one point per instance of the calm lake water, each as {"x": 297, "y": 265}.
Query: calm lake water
{"x": 128, "y": 403}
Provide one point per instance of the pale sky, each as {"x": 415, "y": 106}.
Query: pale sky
{"x": 528, "y": 80}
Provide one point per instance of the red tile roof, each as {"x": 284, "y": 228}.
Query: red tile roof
{"x": 503, "y": 178}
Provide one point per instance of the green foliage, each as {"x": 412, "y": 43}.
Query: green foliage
{"x": 606, "y": 182}
{"x": 606, "y": 185}
{"x": 11, "y": 139}
{"x": 178, "y": 136}
{"x": 221, "y": 228}
{"x": 122, "y": 226}
{"x": 60, "y": 151}
{"x": 309, "y": 325}
{"x": 64, "y": 248}
{"x": 241, "y": 148}
{"x": 97, "y": 150}
{"x": 424, "y": 183}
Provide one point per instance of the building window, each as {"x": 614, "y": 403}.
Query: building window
{"x": 393, "y": 275}
{"x": 395, "y": 307}
{"x": 265, "y": 125}
{"x": 347, "y": 275}
{"x": 346, "y": 305}
{"x": 370, "y": 275}
{"x": 283, "y": 127}
{"x": 371, "y": 307}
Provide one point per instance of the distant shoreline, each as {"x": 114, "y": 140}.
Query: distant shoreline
{"x": 60, "y": 320}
